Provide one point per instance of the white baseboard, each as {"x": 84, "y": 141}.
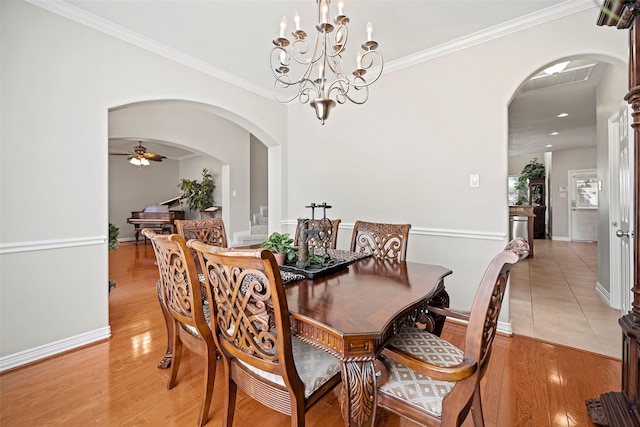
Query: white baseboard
{"x": 606, "y": 296}
{"x": 503, "y": 327}
{"x": 561, "y": 238}
{"x": 42, "y": 352}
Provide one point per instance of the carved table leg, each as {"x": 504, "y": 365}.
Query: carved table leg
{"x": 166, "y": 360}
{"x": 358, "y": 398}
{"x": 435, "y": 322}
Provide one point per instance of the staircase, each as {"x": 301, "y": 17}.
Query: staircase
{"x": 259, "y": 229}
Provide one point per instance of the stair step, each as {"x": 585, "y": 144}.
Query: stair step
{"x": 260, "y": 220}
{"x": 251, "y": 239}
{"x": 260, "y": 229}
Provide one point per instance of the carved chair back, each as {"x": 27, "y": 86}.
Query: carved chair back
{"x": 328, "y": 237}
{"x": 466, "y": 368}
{"x": 209, "y": 230}
{"x": 253, "y": 331}
{"x": 183, "y": 301}
{"x": 387, "y": 241}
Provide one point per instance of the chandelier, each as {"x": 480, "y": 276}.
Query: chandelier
{"x": 321, "y": 68}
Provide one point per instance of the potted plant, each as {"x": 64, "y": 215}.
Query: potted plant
{"x": 281, "y": 245}
{"x": 199, "y": 195}
{"x": 533, "y": 169}
{"x": 113, "y": 245}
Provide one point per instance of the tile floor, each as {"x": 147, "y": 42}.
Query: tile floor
{"x": 553, "y": 298}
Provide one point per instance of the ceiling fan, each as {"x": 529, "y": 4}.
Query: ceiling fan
{"x": 140, "y": 156}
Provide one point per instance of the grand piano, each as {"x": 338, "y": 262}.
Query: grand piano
{"x": 157, "y": 216}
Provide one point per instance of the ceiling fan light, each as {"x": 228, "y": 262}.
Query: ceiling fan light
{"x": 135, "y": 161}
{"x": 144, "y": 162}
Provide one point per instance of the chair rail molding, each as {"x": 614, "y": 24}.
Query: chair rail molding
{"x": 16, "y": 247}
{"x": 439, "y": 232}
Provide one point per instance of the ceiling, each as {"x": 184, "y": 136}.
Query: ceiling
{"x": 231, "y": 39}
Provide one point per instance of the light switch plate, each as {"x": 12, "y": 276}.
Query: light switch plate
{"x": 474, "y": 181}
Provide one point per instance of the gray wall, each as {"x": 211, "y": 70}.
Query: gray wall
{"x": 259, "y": 175}
{"x": 564, "y": 161}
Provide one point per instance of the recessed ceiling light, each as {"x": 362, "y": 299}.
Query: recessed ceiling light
{"x": 556, "y": 68}
{"x": 547, "y": 146}
{"x": 553, "y": 133}
{"x": 562, "y": 115}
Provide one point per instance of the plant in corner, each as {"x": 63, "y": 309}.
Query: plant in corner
{"x": 533, "y": 169}
{"x": 113, "y": 245}
{"x": 199, "y": 195}
{"x": 280, "y": 244}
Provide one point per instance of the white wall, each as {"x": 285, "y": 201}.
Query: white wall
{"x": 405, "y": 156}
{"x": 516, "y": 163}
{"x": 59, "y": 79}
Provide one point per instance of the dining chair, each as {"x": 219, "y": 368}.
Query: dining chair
{"x": 209, "y": 230}
{"x": 180, "y": 292}
{"x": 253, "y": 334}
{"x": 382, "y": 240}
{"x": 328, "y": 238}
{"x": 432, "y": 382}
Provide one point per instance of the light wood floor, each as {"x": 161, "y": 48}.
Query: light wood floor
{"x": 553, "y": 297}
{"x": 116, "y": 383}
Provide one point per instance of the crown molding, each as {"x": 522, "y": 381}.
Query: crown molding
{"x": 552, "y": 13}
{"x": 107, "y": 27}
{"x": 76, "y": 14}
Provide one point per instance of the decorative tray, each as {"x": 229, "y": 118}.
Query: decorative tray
{"x": 313, "y": 271}
{"x": 339, "y": 259}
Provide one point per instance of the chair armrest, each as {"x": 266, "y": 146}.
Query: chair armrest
{"x": 457, "y": 372}
{"x": 449, "y": 312}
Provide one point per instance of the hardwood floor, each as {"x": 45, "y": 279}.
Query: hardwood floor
{"x": 116, "y": 383}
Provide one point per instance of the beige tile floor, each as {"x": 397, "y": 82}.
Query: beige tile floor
{"x": 553, "y": 298}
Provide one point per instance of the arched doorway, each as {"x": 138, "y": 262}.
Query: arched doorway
{"x": 540, "y": 127}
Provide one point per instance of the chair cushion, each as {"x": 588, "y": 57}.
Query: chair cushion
{"x": 419, "y": 390}
{"x": 207, "y": 316}
{"x": 315, "y": 367}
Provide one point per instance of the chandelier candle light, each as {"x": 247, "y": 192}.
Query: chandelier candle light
{"x": 321, "y": 68}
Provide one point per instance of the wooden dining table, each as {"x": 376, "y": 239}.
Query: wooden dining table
{"x": 353, "y": 312}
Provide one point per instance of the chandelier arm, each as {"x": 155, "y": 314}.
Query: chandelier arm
{"x": 320, "y": 67}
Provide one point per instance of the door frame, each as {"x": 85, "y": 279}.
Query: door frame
{"x": 615, "y": 253}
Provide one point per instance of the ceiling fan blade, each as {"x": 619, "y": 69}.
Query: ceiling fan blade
{"x": 154, "y": 157}
{"x": 119, "y": 154}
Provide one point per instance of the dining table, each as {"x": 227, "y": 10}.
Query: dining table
{"x": 353, "y": 312}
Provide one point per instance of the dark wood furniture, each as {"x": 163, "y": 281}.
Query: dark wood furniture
{"x": 253, "y": 334}
{"x": 622, "y": 408}
{"x": 155, "y": 220}
{"x": 528, "y": 211}
{"x": 537, "y": 198}
{"x": 381, "y": 240}
{"x": 209, "y": 230}
{"x": 330, "y": 237}
{"x": 431, "y": 381}
{"x": 182, "y": 299}
{"x": 353, "y": 313}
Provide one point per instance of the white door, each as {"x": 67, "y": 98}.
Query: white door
{"x": 621, "y": 203}
{"x": 584, "y": 205}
